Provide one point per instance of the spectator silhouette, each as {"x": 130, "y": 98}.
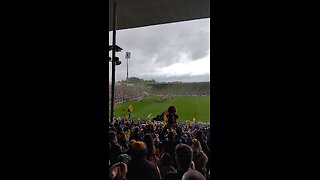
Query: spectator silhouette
{"x": 139, "y": 168}
{"x": 183, "y": 157}
{"x": 170, "y": 144}
{"x": 151, "y": 149}
{"x": 204, "y": 146}
{"x": 200, "y": 159}
{"x": 129, "y": 151}
{"x": 115, "y": 148}
{"x": 166, "y": 164}
{"x": 135, "y": 134}
{"x": 179, "y": 136}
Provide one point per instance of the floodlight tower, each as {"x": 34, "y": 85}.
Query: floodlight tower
{"x": 128, "y": 54}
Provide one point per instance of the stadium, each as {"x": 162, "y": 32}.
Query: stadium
{"x": 159, "y": 116}
{"x": 192, "y": 100}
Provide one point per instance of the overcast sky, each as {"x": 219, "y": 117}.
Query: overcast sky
{"x": 168, "y": 52}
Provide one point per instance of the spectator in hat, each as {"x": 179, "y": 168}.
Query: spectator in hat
{"x": 139, "y": 168}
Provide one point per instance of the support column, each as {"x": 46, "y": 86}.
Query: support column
{"x": 113, "y": 58}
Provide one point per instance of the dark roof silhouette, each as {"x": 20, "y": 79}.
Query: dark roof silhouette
{"x": 140, "y": 13}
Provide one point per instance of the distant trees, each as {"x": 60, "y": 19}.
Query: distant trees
{"x": 196, "y": 88}
{"x": 138, "y": 81}
{"x": 153, "y": 87}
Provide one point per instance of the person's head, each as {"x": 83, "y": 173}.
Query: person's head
{"x": 125, "y": 143}
{"x": 149, "y": 141}
{"x": 166, "y": 160}
{"x": 139, "y": 150}
{"x": 136, "y": 129}
{"x": 131, "y": 143}
{"x": 199, "y": 135}
{"x": 183, "y": 156}
{"x": 178, "y": 131}
{"x": 120, "y": 132}
{"x": 172, "y": 110}
{"x": 195, "y": 145}
{"x": 113, "y": 137}
{"x": 171, "y": 136}
{"x": 193, "y": 175}
{"x": 112, "y": 128}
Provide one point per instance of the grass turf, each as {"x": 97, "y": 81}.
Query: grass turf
{"x": 188, "y": 107}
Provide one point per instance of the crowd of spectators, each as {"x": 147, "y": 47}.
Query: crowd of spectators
{"x": 181, "y": 89}
{"x": 149, "y": 150}
{"x": 124, "y": 93}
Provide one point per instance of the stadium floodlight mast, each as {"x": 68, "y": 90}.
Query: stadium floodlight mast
{"x": 115, "y": 60}
{"x": 128, "y": 54}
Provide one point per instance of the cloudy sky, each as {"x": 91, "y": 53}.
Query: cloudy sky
{"x": 168, "y": 52}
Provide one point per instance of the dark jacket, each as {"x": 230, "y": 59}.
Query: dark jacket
{"x": 114, "y": 152}
{"x": 142, "y": 169}
{"x": 164, "y": 169}
{"x": 169, "y": 147}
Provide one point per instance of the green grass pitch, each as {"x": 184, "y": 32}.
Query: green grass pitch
{"x": 188, "y": 107}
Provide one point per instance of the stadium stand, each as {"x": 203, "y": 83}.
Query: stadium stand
{"x": 151, "y": 145}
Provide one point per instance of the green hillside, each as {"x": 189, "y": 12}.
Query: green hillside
{"x": 188, "y": 107}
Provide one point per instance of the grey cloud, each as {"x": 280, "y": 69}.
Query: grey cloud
{"x": 161, "y": 46}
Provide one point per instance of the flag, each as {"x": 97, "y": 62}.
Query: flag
{"x": 124, "y": 119}
{"x": 130, "y": 108}
{"x": 165, "y": 116}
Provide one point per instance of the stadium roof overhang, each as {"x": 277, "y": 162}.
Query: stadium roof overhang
{"x": 140, "y": 13}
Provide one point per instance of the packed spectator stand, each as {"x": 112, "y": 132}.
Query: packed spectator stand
{"x": 149, "y": 150}
{"x": 125, "y": 92}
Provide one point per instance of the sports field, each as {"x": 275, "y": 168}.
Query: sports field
{"x": 188, "y": 107}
